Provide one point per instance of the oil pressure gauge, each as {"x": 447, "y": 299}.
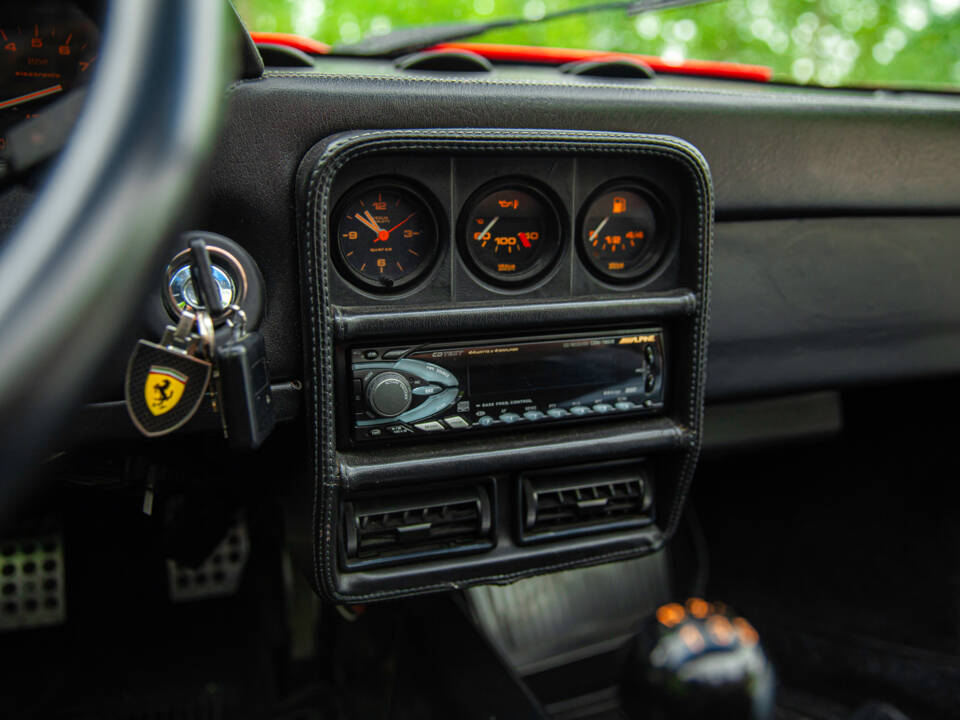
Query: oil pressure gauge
{"x": 622, "y": 237}
{"x": 510, "y": 233}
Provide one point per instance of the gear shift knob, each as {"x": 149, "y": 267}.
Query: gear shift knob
{"x": 698, "y": 660}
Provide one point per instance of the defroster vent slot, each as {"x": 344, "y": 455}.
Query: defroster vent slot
{"x": 411, "y": 527}
{"x": 585, "y": 499}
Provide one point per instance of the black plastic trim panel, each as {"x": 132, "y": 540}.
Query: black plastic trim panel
{"x": 675, "y": 437}
{"x": 352, "y": 324}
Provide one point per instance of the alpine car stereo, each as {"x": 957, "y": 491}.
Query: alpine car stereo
{"x": 404, "y": 391}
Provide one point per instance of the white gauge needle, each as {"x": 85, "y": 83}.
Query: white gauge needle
{"x": 29, "y": 97}
{"x": 599, "y": 228}
{"x": 488, "y": 228}
{"x": 376, "y": 225}
{"x": 368, "y": 223}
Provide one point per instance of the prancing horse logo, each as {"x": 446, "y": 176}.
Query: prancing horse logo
{"x": 163, "y": 389}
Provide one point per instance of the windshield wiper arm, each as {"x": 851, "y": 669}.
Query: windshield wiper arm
{"x": 420, "y": 37}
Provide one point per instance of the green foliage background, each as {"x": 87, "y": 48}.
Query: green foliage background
{"x": 912, "y": 43}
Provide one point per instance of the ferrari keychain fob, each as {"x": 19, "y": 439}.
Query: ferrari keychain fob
{"x": 166, "y": 381}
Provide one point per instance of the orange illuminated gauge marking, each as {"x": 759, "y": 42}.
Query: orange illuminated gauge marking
{"x": 387, "y": 236}
{"x": 621, "y": 224}
{"x": 698, "y": 608}
{"x": 670, "y": 615}
{"x": 42, "y": 60}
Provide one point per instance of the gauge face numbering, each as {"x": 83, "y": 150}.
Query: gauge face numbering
{"x": 44, "y": 53}
{"x": 385, "y": 236}
{"x": 510, "y": 233}
{"x": 620, "y": 237}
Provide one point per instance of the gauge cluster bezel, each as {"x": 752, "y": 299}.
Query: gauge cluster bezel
{"x": 451, "y": 184}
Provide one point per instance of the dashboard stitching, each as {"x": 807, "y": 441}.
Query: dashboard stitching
{"x": 791, "y": 96}
{"x": 343, "y": 150}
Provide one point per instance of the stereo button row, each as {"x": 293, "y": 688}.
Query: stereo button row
{"x": 456, "y": 422}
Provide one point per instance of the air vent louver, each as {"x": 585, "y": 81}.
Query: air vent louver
{"x": 581, "y": 500}
{"x": 413, "y": 527}
{"x": 445, "y": 61}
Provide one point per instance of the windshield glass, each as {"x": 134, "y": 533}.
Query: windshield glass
{"x": 898, "y": 43}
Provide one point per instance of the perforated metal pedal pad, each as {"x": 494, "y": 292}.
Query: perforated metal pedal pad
{"x": 32, "y": 582}
{"x": 217, "y": 576}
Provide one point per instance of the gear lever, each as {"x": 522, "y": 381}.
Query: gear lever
{"x": 698, "y": 660}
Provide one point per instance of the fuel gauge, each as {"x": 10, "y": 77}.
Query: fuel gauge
{"x": 621, "y": 238}
{"x": 510, "y": 233}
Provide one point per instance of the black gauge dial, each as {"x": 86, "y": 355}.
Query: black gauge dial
{"x": 44, "y": 53}
{"x": 510, "y": 233}
{"x": 620, "y": 236}
{"x": 385, "y": 235}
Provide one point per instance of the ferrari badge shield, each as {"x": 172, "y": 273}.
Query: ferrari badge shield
{"x": 164, "y": 387}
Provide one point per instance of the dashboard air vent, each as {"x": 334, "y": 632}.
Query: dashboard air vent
{"x": 403, "y": 528}
{"x": 452, "y": 61}
{"x": 275, "y": 55}
{"x": 611, "y": 68}
{"x": 596, "y": 498}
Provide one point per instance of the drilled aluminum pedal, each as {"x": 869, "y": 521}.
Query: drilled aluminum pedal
{"x": 217, "y": 576}
{"x": 32, "y": 582}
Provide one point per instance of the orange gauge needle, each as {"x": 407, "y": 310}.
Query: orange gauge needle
{"x": 523, "y": 239}
{"x": 36, "y": 95}
{"x": 599, "y": 228}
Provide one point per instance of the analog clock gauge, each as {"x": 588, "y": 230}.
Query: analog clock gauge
{"x": 385, "y": 236}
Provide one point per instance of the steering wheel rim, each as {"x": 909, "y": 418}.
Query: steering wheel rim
{"x": 74, "y": 270}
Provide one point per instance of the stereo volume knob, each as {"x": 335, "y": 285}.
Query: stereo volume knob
{"x": 388, "y": 394}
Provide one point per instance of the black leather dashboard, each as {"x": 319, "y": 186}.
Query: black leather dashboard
{"x": 837, "y": 214}
{"x": 869, "y": 178}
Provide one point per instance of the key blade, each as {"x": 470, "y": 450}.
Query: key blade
{"x": 201, "y": 271}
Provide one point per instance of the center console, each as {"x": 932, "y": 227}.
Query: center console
{"x": 505, "y": 343}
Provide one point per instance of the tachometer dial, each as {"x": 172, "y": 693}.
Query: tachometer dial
{"x": 44, "y": 53}
{"x": 385, "y": 235}
{"x": 510, "y": 233}
{"x": 620, "y": 236}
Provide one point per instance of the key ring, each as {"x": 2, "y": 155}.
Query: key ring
{"x": 207, "y": 333}
{"x": 236, "y": 318}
